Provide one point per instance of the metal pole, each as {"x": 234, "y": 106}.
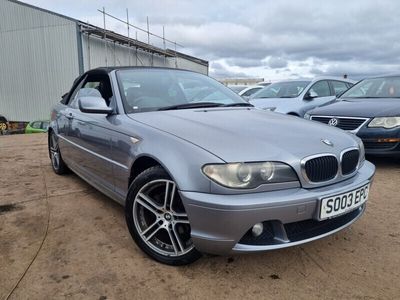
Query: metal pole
{"x": 105, "y": 35}
{"x": 141, "y": 29}
{"x": 136, "y": 50}
{"x": 129, "y": 42}
{"x": 163, "y": 37}
{"x": 88, "y": 49}
{"x": 148, "y": 42}
{"x": 176, "y": 60}
{"x": 148, "y": 31}
{"x": 115, "y": 61}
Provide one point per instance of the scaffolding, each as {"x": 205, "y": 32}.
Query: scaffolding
{"x": 111, "y": 37}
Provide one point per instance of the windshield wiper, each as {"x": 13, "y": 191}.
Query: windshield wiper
{"x": 191, "y": 105}
{"x": 365, "y": 97}
{"x": 238, "y": 104}
{"x": 379, "y": 97}
{"x": 275, "y": 97}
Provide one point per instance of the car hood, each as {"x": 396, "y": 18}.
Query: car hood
{"x": 248, "y": 134}
{"x": 379, "y": 107}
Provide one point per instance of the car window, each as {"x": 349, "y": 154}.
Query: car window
{"x": 289, "y": 89}
{"x": 339, "y": 86}
{"x": 36, "y": 125}
{"x": 237, "y": 88}
{"x": 72, "y": 98}
{"x": 383, "y": 87}
{"x": 320, "y": 89}
{"x": 152, "y": 89}
{"x": 95, "y": 86}
{"x": 251, "y": 91}
{"x": 45, "y": 125}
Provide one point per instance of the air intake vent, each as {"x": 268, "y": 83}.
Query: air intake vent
{"x": 340, "y": 122}
{"x": 350, "y": 161}
{"x": 322, "y": 168}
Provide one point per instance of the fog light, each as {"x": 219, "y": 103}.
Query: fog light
{"x": 257, "y": 229}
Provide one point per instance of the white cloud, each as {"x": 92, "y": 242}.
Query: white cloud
{"x": 270, "y": 39}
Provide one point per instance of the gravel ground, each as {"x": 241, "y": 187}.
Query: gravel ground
{"x": 70, "y": 241}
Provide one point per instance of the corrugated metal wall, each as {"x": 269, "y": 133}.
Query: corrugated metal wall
{"x": 186, "y": 64}
{"x": 41, "y": 53}
{"x": 38, "y": 60}
{"x": 94, "y": 55}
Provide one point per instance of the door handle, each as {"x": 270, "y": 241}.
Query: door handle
{"x": 70, "y": 116}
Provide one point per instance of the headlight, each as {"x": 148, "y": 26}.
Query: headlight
{"x": 249, "y": 175}
{"x": 385, "y": 122}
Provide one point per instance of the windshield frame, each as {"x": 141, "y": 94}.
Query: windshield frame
{"x": 235, "y": 98}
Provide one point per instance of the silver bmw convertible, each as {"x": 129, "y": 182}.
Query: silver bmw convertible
{"x": 199, "y": 170}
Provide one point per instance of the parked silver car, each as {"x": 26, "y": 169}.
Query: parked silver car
{"x": 296, "y": 97}
{"x": 250, "y": 90}
{"x": 176, "y": 149}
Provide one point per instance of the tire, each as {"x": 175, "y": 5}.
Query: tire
{"x": 159, "y": 227}
{"x": 57, "y": 163}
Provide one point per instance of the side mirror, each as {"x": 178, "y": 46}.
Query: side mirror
{"x": 94, "y": 105}
{"x": 310, "y": 95}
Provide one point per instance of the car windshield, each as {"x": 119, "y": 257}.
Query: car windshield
{"x": 251, "y": 91}
{"x": 237, "y": 88}
{"x": 384, "y": 87}
{"x": 288, "y": 89}
{"x": 156, "y": 89}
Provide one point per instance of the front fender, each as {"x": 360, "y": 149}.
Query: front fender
{"x": 180, "y": 158}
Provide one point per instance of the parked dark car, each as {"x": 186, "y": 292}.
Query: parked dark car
{"x": 371, "y": 110}
{"x": 3, "y": 125}
{"x": 176, "y": 149}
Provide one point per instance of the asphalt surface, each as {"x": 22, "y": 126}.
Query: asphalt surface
{"x": 60, "y": 238}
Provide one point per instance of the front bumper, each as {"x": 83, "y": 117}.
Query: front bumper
{"x": 380, "y": 141}
{"x": 219, "y": 223}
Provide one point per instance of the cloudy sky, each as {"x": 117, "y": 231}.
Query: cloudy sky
{"x": 270, "y": 39}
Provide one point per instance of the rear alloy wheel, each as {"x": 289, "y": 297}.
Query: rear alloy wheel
{"x": 157, "y": 219}
{"x": 59, "y": 167}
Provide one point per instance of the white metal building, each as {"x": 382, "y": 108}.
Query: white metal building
{"x": 42, "y": 52}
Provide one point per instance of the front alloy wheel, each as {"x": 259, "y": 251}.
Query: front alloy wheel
{"x": 59, "y": 167}
{"x": 157, "y": 219}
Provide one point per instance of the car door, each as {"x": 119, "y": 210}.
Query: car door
{"x": 64, "y": 119}
{"x": 90, "y": 134}
{"x": 321, "y": 94}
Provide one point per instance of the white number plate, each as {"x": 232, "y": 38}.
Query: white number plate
{"x": 339, "y": 204}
